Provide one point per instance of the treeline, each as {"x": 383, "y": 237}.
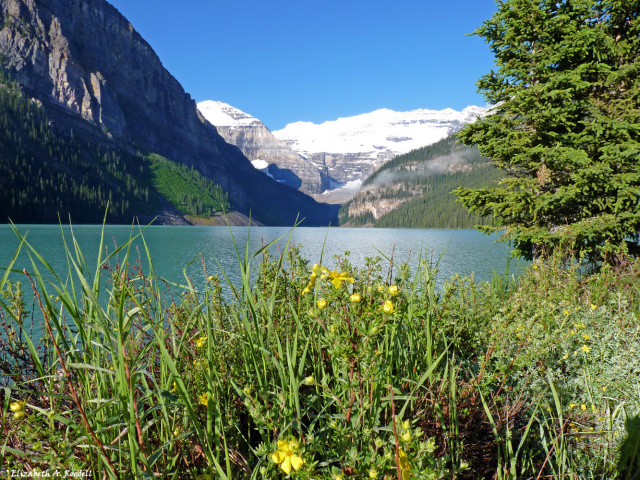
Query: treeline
{"x": 447, "y": 146}
{"x": 437, "y": 208}
{"x": 423, "y": 179}
{"x": 45, "y": 176}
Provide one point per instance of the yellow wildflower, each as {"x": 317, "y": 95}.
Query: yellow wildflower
{"x": 388, "y": 307}
{"x": 403, "y": 461}
{"x": 175, "y": 388}
{"x": 406, "y": 436}
{"x": 373, "y": 473}
{"x": 337, "y": 278}
{"x": 604, "y": 389}
{"x": 211, "y": 278}
{"x": 18, "y": 406}
{"x": 381, "y": 288}
{"x": 309, "y": 380}
{"x": 572, "y": 405}
{"x": 535, "y": 267}
{"x": 394, "y": 290}
{"x": 204, "y": 399}
{"x": 593, "y": 307}
{"x": 312, "y": 282}
{"x": 566, "y": 355}
{"x": 201, "y": 342}
{"x": 356, "y": 298}
{"x": 586, "y": 349}
{"x": 566, "y": 313}
{"x": 176, "y": 432}
{"x": 19, "y": 415}
{"x": 573, "y": 332}
{"x": 586, "y": 337}
{"x": 406, "y": 424}
{"x": 322, "y": 303}
{"x": 286, "y": 456}
{"x": 583, "y": 406}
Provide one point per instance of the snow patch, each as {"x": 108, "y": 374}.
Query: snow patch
{"x": 221, "y": 114}
{"x": 260, "y": 164}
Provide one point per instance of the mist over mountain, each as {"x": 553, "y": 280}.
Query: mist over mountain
{"x": 413, "y": 190}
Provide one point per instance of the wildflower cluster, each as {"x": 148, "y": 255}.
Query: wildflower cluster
{"x": 334, "y": 277}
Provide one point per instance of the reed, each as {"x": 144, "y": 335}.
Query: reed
{"x": 317, "y": 372}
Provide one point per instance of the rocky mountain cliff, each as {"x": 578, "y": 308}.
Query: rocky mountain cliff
{"x": 99, "y": 79}
{"x": 267, "y": 153}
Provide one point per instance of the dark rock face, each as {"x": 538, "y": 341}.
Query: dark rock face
{"x": 86, "y": 61}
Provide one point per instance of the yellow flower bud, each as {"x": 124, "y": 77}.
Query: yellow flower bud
{"x": 18, "y": 406}
{"x": 388, "y": 307}
{"x": 394, "y": 290}
{"x": 322, "y": 303}
{"x": 356, "y": 298}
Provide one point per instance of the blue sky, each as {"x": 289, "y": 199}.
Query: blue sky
{"x": 285, "y": 61}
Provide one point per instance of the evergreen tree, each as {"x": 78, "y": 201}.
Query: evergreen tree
{"x": 565, "y": 126}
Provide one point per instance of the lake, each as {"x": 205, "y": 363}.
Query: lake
{"x": 173, "y": 247}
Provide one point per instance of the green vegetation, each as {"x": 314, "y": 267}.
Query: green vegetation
{"x": 423, "y": 180}
{"x": 436, "y": 207}
{"x": 565, "y": 126}
{"x": 44, "y": 174}
{"x": 185, "y": 188}
{"x": 312, "y": 373}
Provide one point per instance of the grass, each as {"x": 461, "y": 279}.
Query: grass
{"x": 315, "y": 374}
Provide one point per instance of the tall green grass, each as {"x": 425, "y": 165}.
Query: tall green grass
{"x": 312, "y": 372}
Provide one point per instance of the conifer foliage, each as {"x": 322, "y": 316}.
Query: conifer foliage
{"x": 565, "y": 126}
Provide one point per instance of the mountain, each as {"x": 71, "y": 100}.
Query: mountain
{"x": 267, "y": 153}
{"x": 353, "y": 147}
{"x": 414, "y": 190}
{"x": 101, "y": 85}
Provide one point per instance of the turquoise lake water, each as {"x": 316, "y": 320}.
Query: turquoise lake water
{"x": 180, "y": 252}
{"x": 172, "y": 248}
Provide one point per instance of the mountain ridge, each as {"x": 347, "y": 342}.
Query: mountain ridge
{"x": 98, "y": 78}
{"x": 266, "y": 152}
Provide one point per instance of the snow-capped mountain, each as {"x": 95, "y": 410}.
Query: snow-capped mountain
{"x": 222, "y": 114}
{"x": 352, "y": 147}
{"x": 322, "y": 158}
{"x": 267, "y": 153}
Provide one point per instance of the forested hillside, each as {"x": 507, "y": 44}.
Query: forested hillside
{"x": 414, "y": 190}
{"x": 45, "y": 174}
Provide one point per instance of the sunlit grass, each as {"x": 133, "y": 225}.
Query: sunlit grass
{"x": 316, "y": 373}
